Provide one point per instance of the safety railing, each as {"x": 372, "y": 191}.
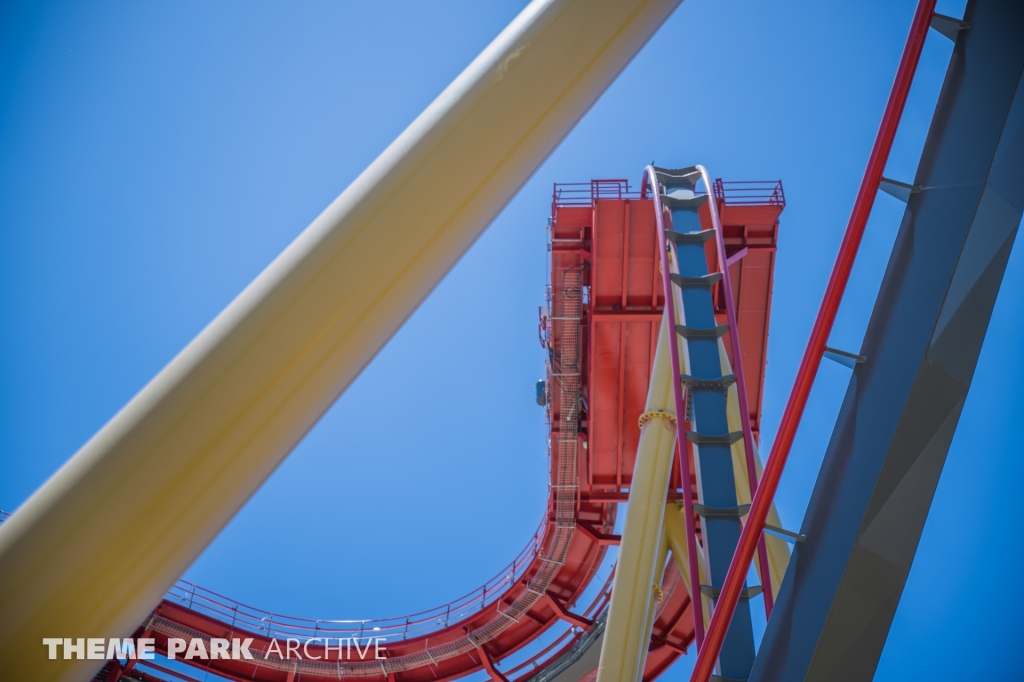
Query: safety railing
{"x": 584, "y": 194}
{"x": 750, "y": 193}
{"x": 227, "y": 610}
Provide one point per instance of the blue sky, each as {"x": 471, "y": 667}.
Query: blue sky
{"x": 154, "y": 157}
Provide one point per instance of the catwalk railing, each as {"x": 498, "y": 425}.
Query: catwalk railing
{"x": 227, "y": 610}
{"x": 583, "y": 194}
{"x": 749, "y": 193}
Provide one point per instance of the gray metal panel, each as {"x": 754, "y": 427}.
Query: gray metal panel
{"x": 879, "y": 474}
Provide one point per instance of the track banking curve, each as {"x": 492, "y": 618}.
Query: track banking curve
{"x": 604, "y": 308}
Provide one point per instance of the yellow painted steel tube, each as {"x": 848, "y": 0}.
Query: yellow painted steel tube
{"x": 656, "y": 598}
{"x": 92, "y": 551}
{"x": 675, "y": 533}
{"x": 626, "y": 636}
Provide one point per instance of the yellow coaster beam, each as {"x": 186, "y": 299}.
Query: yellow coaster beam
{"x": 630, "y": 614}
{"x": 651, "y": 525}
{"x": 675, "y": 533}
{"x": 96, "y": 547}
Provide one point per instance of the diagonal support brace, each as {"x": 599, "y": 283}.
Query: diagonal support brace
{"x": 565, "y": 614}
{"x": 948, "y": 26}
{"x": 489, "y": 665}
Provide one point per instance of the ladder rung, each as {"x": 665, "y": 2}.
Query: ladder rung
{"x": 721, "y": 383}
{"x": 747, "y": 592}
{"x": 706, "y": 511}
{"x": 691, "y": 333}
{"x": 671, "y": 202}
{"x": 787, "y": 535}
{"x": 714, "y": 439}
{"x": 680, "y": 238}
{"x": 677, "y": 175}
{"x": 702, "y": 281}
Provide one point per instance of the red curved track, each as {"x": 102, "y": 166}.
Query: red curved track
{"x": 604, "y": 309}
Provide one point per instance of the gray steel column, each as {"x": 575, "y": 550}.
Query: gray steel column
{"x": 869, "y": 505}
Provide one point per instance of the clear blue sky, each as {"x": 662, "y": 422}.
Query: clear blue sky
{"x": 155, "y": 156}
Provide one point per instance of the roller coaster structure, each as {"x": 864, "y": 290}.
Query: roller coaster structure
{"x": 646, "y": 403}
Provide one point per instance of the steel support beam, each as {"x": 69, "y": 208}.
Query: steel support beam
{"x": 565, "y": 614}
{"x": 489, "y": 666}
{"x": 869, "y": 505}
{"x": 94, "y": 550}
{"x": 627, "y": 634}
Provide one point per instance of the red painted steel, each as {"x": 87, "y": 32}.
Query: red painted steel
{"x": 751, "y": 234}
{"x": 624, "y": 315}
{"x": 758, "y": 514}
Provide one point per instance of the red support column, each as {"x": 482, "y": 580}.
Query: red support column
{"x": 489, "y": 666}
{"x": 565, "y": 614}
